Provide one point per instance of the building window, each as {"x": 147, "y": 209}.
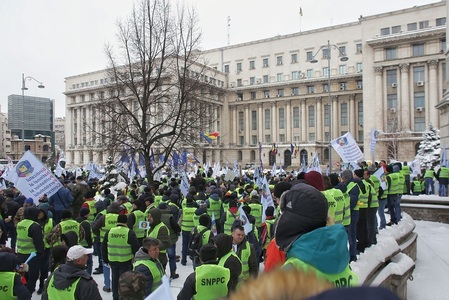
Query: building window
{"x": 309, "y": 73}
{"x": 266, "y": 94}
{"x": 311, "y": 136}
{"x": 252, "y": 80}
{"x": 392, "y": 77}
{"x": 392, "y": 101}
{"x": 326, "y": 53}
{"x": 360, "y": 113}
{"x": 295, "y": 91}
{"x": 241, "y": 140}
{"x": 239, "y": 82}
{"x": 443, "y": 45}
{"x": 325, "y": 71}
{"x": 279, "y": 60}
{"x": 443, "y": 71}
{"x": 412, "y": 26}
{"x": 265, "y": 78}
{"x": 420, "y": 123}
{"x": 327, "y": 115}
{"x": 342, "y": 69}
{"x": 419, "y": 99}
{"x": 343, "y": 86}
{"x": 267, "y": 138}
{"x": 418, "y": 49}
{"x": 295, "y": 75}
{"x": 327, "y": 136}
{"x": 265, "y": 62}
{"x": 239, "y": 97}
{"x": 309, "y": 55}
{"x": 396, "y": 29}
{"x": 267, "y": 119}
{"x": 254, "y": 140}
{"x": 344, "y": 114}
{"x": 296, "y": 138}
{"x": 342, "y": 51}
{"x": 239, "y": 66}
{"x": 325, "y": 88}
{"x": 359, "y": 67}
{"x": 281, "y": 118}
{"x": 253, "y": 120}
{"x": 280, "y": 93}
{"x": 358, "y": 48}
{"x": 440, "y": 22}
{"x": 226, "y": 68}
{"x": 311, "y": 116}
{"x": 385, "y": 31}
{"x": 423, "y": 24}
{"x": 240, "y": 154}
{"x": 252, "y": 64}
{"x": 418, "y": 74}
{"x": 361, "y": 137}
{"x": 310, "y": 89}
{"x": 295, "y": 117}
{"x": 294, "y": 57}
{"x": 279, "y": 77}
{"x": 253, "y": 95}
{"x": 390, "y": 53}
{"x": 241, "y": 121}
{"x": 282, "y": 138}
{"x": 359, "y": 84}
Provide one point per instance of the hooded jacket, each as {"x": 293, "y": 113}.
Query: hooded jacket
{"x": 224, "y": 246}
{"x": 66, "y": 275}
{"x": 163, "y": 234}
{"x": 35, "y": 230}
{"x": 9, "y": 263}
{"x": 142, "y": 254}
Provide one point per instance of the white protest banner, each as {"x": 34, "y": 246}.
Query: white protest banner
{"x": 184, "y": 185}
{"x": 32, "y": 178}
{"x": 347, "y": 148}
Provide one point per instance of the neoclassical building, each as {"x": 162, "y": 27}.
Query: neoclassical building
{"x": 385, "y": 72}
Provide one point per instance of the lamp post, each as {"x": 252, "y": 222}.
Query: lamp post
{"x": 24, "y": 88}
{"x": 343, "y": 58}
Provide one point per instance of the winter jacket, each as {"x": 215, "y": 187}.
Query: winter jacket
{"x": 142, "y": 254}
{"x": 9, "y": 263}
{"x": 66, "y": 275}
{"x": 78, "y": 192}
{"x": 61, "y": 200}
{"x": 224, "y": 246}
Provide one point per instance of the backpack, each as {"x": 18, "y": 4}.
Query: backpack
{"x": 132, "y": 285}
{"x": 195, "y": 242}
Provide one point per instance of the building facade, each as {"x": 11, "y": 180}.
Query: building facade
{"x": 37, "y": 114}
{"x": 385, "y": 72}
{"x": 40, "y": 145}
{"x": 60, "y": 132}
{"x": 5, "y": 136}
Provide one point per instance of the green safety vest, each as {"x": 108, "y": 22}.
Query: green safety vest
{"x": 46, "y": 231}
{"x": 214, "y": 208}
{"x": 244, "y": 258}
{"x": 268, "y": 223}
{"x": 118, "y": 248}
{"x": 429, "y": 174}
{"x": 211, "y": 282}
{"x": 83, "y": 242}
{"x": 374, "y": 198}
{"x": 376, "y": 185}
{"x": 25, "y": 243}
{"x": 187, "y": 218}
{"x": 401, "y": 183}
{"x": 92, "y": 209}
{"x": 394, "y": 182}
{"x": 340, "y": 205}
{"x": 363, "y": 197}
{"x": 347, "y": 278}
{"x": 139, "y": 217}
{"x": 206, "y": 235}
{"x": 223, "y": 260}
{"x": 70, "y": 225}
{"x": 196, "y": 219}
{"x": 349, "y": 188}
{"x": 423, "y": 186}
{"x": 157, "y": 200}
{"x": 405, "y": 170}
{"x": 257, "y": 212}
{"x": 7, "y": 285}
{"x": 155, "y": 233}
{"x": 347, "y": 211}
{"x": 66, "y": 294}
{"x": 128, "y": 206}
{"x": 230, "y": 218}
{"x": 156, "y": 271}
{"x": 444, "y": 172}
{"x": 110, "y": 221}
{"x": 331, "y": 203}
{"x": 417, "y": 188}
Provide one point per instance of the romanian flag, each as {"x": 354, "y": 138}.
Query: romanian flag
{"x": 209, "y": 136}
{"x": 296, "y": 149}
{"x": 273, "y": 149}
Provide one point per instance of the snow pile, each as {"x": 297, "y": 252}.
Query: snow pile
{"x": 429, "y": 148}
{"x": 399, "y": 265}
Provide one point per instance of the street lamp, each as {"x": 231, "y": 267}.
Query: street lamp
{"x": 24, "y": 88}
{"x": 343, "y": 58}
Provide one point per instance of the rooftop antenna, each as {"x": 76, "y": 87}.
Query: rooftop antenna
{"x": 229, "y": 30}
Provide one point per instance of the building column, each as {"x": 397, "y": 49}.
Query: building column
{"x": 236, "y": 125}
{"x": 79, "y": 119}
{"x": 404, "y": 102}
{"x": 334, "y": 121}
{"x": 379, "y": 111}
{"x": 247, "y": 125}
{"x": 274, "y": 123}
{"x": 68, "y": 127}
{"x": 431, "y": 112}
{"x": 319, "y": 122}
{"x": 288, "y": 118}
{"x": 353, "y": 117}
{"x": 89, "y": 125}
{"x": 260, "y": 122}
{"x": 303, "y": 121}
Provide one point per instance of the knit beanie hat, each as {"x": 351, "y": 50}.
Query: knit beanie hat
{"x": 208, "y": 253}
{"x": 281, "y": 187}
{"x": 269, "y": 212}
{"x": 335, "y": 179}
{"x": 359, "y": 173}
{"x": 66, "y": 214}
{"x": 247, "y": 209}
{"x": 304, "y": 209}
{"x": 315, "y": 179}
{"x": 84, "y": 211}
{"x": 122, "y": 219}
{"x": 214, "y": 197}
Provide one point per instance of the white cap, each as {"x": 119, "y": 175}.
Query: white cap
{"x": 77, "y": 251}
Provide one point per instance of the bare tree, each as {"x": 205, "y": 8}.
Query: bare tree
{"x": 160, "y": 90}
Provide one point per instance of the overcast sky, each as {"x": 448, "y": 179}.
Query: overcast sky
{"x": 50, "y": 39}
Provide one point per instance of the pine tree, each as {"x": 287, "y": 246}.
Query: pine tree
{"x": 429, "y": 148}
{"x": 110, "y": 177}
